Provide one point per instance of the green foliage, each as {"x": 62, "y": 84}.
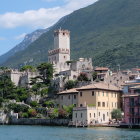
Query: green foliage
{"x": 25, "y": 115}
{"x": 46, "y": 72}
{"x": 91, "y": 105}
{"x": 116, "y": 114}
{"x": 54, "y": 113}
{"x": 1, "y": 101}
{"x": 6, "y": 86}
{"x": 18, "y": 107}
{"x": 32, "y": 113}
{"x": 101, "y": 27}
{"x": 44, "y": 91}
{"x": 49, "y": 104}
{"x": 21, "y": 94}
{"x": 94, "y": 76}
{"x": 70, "y": 84}
{"x": 68, "y": 110}
{"x": 34, "y": 104}
{"x": 28, "y": 68}
{"x": 82, "y": 77}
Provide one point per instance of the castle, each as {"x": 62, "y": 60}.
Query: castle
{"x": 65, "y": 68}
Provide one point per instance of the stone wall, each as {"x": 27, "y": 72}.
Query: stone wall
{"x": 26, "y": 121}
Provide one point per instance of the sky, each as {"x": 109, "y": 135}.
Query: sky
{"x": 20, "y": 17}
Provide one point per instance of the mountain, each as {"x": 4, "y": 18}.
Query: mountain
{"x": 29, "y": 38}
{"x": 101, "y": 30}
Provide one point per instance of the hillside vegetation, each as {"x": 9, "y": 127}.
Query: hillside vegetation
{"x": 108, "y": 31}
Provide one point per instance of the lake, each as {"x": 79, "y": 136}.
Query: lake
{"x": 64, "y": 133}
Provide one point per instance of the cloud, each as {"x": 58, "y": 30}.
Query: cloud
{"x": 41, "y": 18}
{"x": 21, "y": 36}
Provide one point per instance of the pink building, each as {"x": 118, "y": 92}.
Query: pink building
{"x": 131, "y": 106}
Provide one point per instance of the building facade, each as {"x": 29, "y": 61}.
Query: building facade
{"x": 96, "y": 100}
{"x": 60, "y": 53}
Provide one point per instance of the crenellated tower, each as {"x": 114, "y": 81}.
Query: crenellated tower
{"x": 61, "y": 50}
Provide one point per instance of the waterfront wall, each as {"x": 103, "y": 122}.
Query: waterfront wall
{"x": 26, "y": 121}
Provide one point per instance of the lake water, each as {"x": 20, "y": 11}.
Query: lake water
{"x": 64, "y": 133}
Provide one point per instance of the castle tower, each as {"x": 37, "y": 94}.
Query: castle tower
{"x": 61, "y": 50}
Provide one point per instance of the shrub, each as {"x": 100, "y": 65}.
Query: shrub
{"x": 70, "y": 84}
{"x": 32, "y": 113}
{"x": 49, "y": 104}
{"x": 18, "y": 108}
{"x": 25, "y": 115}
{"x": 34, "y": 104}
{"x": 83, "y": 77}
{"x": 116, "y": 114}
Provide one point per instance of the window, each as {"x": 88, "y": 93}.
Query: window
{"x": 103, "y": 93}
{"x": 81, "y": 105}
{"x": 99, "y": 113}
{"x": 99, "y": 104}
{"x": 92, "y": 93}
{"x": 107, "y": 94}
{"x": 107, "y": 113}
{"x": 81, "y": 115}
{"x": 74, "y": 105}
{"x": 103, "y": 104}
{"x": 94, "y": 115}
{"x": 74, "y": 96}
{"x": 98, "y": 93}
{"x": 112, "y": 104}
{"x": 62, "y": 97}
{"x": 103, "y": 117}
{"x": 75, "y": 115}
{"x": 90, "y": 115}
{"x": 81, "y": 94}
{"x": 69, "y": 97}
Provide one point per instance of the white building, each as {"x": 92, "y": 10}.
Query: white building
{"x": 89, "y": 116}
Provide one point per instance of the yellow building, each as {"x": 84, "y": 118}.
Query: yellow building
{"x": 97, "y": 100}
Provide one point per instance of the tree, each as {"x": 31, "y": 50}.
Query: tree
{"x": 27, "y": 68}
{"x": 94, "y": 76}
{"x": 68, "y": 110}
{"x": 49, "y": 104}
{"x": 116, "y": 114}
{"x": 46, "y": 72}
{"x": 70, "y": 84}
{"x": 83, "y": 77}
{"x": 18, "y": 107}
{"x": 7, "y": 87}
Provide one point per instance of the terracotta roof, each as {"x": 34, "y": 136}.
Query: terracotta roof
{"x": 136, "y": 69}
{"x": 100, "y": 85}
{"x": 68, "y": 91}
{"x": 101, "y": 68}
